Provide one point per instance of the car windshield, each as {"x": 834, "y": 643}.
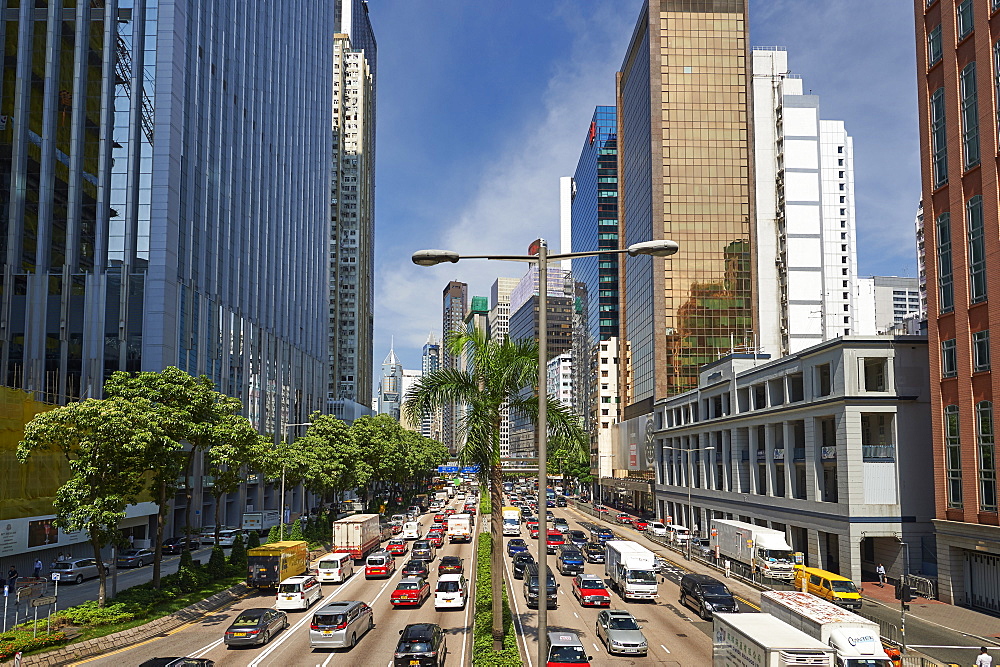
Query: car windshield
{"x": 288, "y": 588}
{"x": 376, "y": 560}
{"x": 715, "y": 590}
{"x": 408, "y": 586}
{"x": 640, "y": 577}
{"x": 416, "y": 646}
{"x": 592, "y": 584}
{"x": 778, "y": 555}
{"x": 623, "y": 623}
{"x": 571, "y": 553}
{"x": 567, "y": 654}
{"x": 246, "y": 621}
{"x": 328, "y": 564}
{"x": 448, "y": 587}
{"x": 328, "y": 619}
{"x": 843, "y": 587}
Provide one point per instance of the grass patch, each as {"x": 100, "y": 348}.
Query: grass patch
{"x": 485, "y": 504}
{"x": 482, "y": 642}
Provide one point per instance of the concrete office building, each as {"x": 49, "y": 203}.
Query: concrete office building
{"x": 804, "y": 241}
{"x": 684, "y": 131}
{"x": 893, "y": 299}
{"x": 352, "y": 218}
{"x": 148, "y": 225}
{"x": 956, "y": 61}
{"x": 498, "y": 326}
{"x": 430, "y": 361}
{"x": 829, "y": 445}
{"x": 455, "y": 303}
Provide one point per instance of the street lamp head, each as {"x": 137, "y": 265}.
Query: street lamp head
{"x": 660, "y": 248}
{"x": 432, "y": 257}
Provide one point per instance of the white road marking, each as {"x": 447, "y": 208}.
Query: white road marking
{"x": 596, "y": 647}
{"x": 512, "y": 599}
{"x": 664, "y": 648}
{"x": 288, "y": 632}
{"x": 576, "y": 614}
{"x": 206, "y": 649}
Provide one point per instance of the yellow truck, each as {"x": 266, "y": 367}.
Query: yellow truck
{"x": 270, "y": 564}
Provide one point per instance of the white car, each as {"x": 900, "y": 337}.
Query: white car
{"x": 656, "y": 528}
{"x": 411, "y": 531}
{"x": 298, "y": 592}
{"x": 452, "y": 592}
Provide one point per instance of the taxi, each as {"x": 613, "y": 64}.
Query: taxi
{"x": 553, "y": 540}
{"x": 439, "y": 517}
{"x": 395, "y": 527}
{"x": 380, "y": 564}
{"x": 397, "y": 547}
{"x": 436, "y": 538}
{"x": 450, "y": 511}
{"x": 591, "y": 591}
{"x": 640, "y": 524}
{"x": 410, "y": 592}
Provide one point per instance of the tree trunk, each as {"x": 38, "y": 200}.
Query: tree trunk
{"x": 496, "y": 560}
{"x": 218, "y": 527}
{"x": 188, "y": 495}
{"x": 158, "y": 547}
{"x": 102, "y": 572}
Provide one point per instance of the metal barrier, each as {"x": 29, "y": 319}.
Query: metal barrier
{"x": 925, "y": 587}
{"x": 912, "y": 660}
{"x": 887, "y": 630}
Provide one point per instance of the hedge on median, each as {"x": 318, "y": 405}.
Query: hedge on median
{"x": 483, "y": 654}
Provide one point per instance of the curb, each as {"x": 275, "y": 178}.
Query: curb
{"x": 68, "y": 655}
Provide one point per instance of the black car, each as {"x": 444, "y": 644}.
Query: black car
{"x": 420, "y": 644}
{"x": 175, "y": 545}
{"x": 594, "y": 552}
{"x": 416, "y": 567}
{"x": 255, "y": 626}
{"x": 577, "y": 538}
{"x": 520, "y": 562}
{"x": 570, "y": 560}
{"x": 707, "y": 594}
{"x": 560, "y": 501}
{"x": 531, "y": 588}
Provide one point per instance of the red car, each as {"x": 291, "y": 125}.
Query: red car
{"x": 410, "y": 592}
{"x": 435, "y": 538}
{"x": 640, "y": 524}
{"x": 380, "y": 564}
{"x": 533, "y": 531}
{"x": 450, "y": 511}
{"x": 553, "y": 540}
{"x": 439, "y": 517}
{"x": 624, "y": 518}
{"x": 590, "y": 591}
{"x": 396, "y": 528}
{"x": 397, "y": 547}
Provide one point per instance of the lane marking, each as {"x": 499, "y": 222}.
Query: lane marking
{"x": 200, "y": 652}
{"x": 512, "y": 599}
{"x": 664, "y": 648}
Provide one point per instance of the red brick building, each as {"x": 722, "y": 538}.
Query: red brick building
{"x": 958, "y": 77}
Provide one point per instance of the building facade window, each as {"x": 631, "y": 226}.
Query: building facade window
{"x": 949, "y": 359}
{"x": 934, "y": 51}
{"x": 981, "y": 351}
{"x": 996, "y": 79}
{"x": 964, "y": 14}
{"x": 970, "y": 115}
{"x": 952, "y": 456}
{"x": 987, "y": 457}
{"x": 946, "y": 285}
{"x": 977, "y": 249}
{"x": 939, "y": 139}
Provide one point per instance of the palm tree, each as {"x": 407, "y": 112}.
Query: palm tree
{"x": 496, "y": 374}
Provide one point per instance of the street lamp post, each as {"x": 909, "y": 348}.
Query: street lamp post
{"x": 539, "y": 255}
{"x": 690, "y": 507}
{"x": 281, "y": 520}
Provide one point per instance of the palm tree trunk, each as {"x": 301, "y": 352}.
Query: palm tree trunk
{"x": 496, "y": 523}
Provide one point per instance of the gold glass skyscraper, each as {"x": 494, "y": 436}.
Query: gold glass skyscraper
{"x": 685, "y": 174}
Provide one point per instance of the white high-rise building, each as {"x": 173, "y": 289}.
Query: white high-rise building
{"x": 559, "y": 378}
{"x": 498, "y": 326}
{"x": 805, "y": 243}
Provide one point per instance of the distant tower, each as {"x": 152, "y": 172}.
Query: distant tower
{"x": 455, "y": 304}
{"x": 430, "y": 361}
{"x": 498, "y": 326}
{"x": 390, "y": 393}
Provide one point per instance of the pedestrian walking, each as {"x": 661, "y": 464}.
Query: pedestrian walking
{"x": 11, "y": 578}
{"x": 38, "y": 568}
{"x": 984, "y": 659}
{"x": 880, "y": 570}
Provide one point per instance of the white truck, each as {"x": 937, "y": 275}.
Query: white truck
{"x": 761, "y": 640}
{"x": 511, "y": 521}
{"x": 261, "y": 521}
{"x": 460, "y": 528}
{"x": 631, "y": 568}
{"x": 855, "y": 638}
{"x": 763, "y": 550}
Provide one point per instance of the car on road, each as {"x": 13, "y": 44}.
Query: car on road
{"x": 75, "y": 570}
{"x": 594, "y": 552}
{"x": 423, "y": 549}
{"x": 439, "y": 517}
{"x": 395, "y": 527}
{"x": 516, "y": 546}
{"x": 707, "y": 595}
{"x": 570, "y": 560}
{"x": 601, "y": 508}
{"x": 553, "y": 540}
{"x": 520, "y": 562}
{"x": 577, "y": 538}
{"x": 601, "y": 534}
{"x": 420, "y": 644}
{"x": 621, "y": 633}
{"x": 590, "y": 590}
{"x": 451, "y": 565}
{"x": 561, "y": 524}
{"x": 298, "y": 592}
{"x": 135, "y": 558}
{"x": 531, "y": 588}
{"x": 560, "y": 501}
{"x": 701, "y": 546}
{"x": 339, "y": 624}
{"x": 228, "y": 537}
{"x": 624, "y": 518}
{"x": 255, "y": 626}
{"x": 397, "y": 547}
{"x": 380, "y": 564}
{"x": 565, "y": 648}
{"x": 452, "y": 591}
{"x": 416, "y": 567}
{"x": 175, "y": 545}
{"x": 410, "y": 592}
{"x": 656, "y": 528}
{"x": 640, "y": 524}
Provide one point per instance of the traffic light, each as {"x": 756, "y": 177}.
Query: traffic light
{"x": 903, "y": 592}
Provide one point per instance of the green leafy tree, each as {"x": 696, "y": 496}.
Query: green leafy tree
{"x": 254, "y": 540}
{"x": 237, "y": 447}
{"x": 296, "y": 532}
{"x": 104, "y": 442}
{"x": 329, "y": 452}
{"x": 497, "y": 374}
{"x": 274, "y": 535}
{"x": 238, "y": 556}
{"x": 380, "y": 440}
{"x": 217, "y": 563}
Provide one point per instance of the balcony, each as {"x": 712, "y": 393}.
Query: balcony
{"x": 878, "y": 452}
{"x": 829, "y": 453}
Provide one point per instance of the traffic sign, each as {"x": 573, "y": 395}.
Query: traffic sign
{"x": 41, "y": 602}
{"x": 470, "y": 470}
{"x": 56, "y": 576}
{"x": 444, "y": 469}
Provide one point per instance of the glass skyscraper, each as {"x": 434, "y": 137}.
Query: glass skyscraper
{"x": 164, "y": 195}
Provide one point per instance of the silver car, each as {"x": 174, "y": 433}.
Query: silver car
{"x": 75, "y": 570}
{"x": 621, "y": 633}
{"x": 340, "y": 624}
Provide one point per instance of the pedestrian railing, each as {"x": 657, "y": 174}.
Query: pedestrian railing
{"x": 925, "y": 587}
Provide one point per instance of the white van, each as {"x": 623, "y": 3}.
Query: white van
{"x": 678, "y": 534}
{"x": 452, "y": 591}
{"x": 411, "y": 531}
{"x": 656, "y": 528}
{"x": 298, "y": 592}
{"x": 335, "y": 567}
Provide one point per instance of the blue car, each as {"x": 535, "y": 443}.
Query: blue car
{"x": 516, "y": 546}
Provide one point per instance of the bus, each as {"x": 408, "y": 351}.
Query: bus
{"x": 270, "y": 564}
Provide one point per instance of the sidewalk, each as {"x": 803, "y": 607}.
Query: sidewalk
{"x": 957, "y": 619}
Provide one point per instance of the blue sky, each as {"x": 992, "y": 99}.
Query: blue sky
{"x": 484, "y": 104}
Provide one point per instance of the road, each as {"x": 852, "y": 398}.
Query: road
{"x": 290, "y": 648}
